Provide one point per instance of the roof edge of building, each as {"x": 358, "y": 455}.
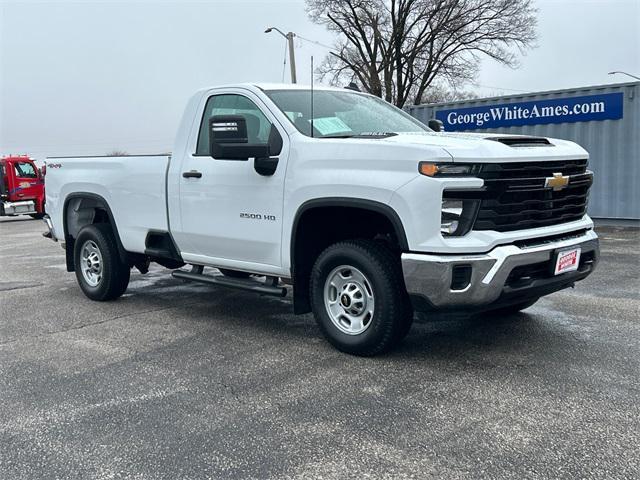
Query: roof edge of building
{"x": 529, "y": 94}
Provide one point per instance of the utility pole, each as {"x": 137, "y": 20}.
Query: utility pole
{"x": 292, "y": 56}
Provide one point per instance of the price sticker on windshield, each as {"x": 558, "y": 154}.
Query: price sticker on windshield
{"x": 330, "y": 125}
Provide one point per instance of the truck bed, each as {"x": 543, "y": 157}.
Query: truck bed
{"x": 133, "y": 186}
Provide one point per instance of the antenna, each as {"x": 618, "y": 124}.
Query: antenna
{"x": 311, "y": 96}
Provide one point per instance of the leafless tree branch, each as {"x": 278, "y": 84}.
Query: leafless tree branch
{"x": 398, "y": 49}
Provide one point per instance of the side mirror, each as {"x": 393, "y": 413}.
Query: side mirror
{"x": 267, "y": 166}
{"x": 228, "y": 139}
{"x": 436, "y": 125}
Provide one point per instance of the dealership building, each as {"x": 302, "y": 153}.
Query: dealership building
{"x": 604, "y": 119}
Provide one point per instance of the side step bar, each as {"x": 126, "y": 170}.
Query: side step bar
{"x": 241, "y": 284}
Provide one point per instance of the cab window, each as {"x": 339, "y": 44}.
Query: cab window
{"x": 258, "y": 127}
{"x": 25, "y": 170}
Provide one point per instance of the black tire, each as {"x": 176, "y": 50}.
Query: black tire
{"x": 234, "y": 273}
{"x": 392, "y": 315}
{"x": 512, "y": 309}
{"x": 115, "y": 273}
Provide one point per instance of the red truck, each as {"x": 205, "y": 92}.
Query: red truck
{"x": 21, "y": 187}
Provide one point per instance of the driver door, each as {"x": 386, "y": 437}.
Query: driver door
{"x": 231, "y": 215}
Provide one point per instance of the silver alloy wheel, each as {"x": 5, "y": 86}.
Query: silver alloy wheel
{"x": 349, "y": 300}
{"x": 91, "y": 263}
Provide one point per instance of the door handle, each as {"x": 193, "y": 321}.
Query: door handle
{"x": 192, "y": 174}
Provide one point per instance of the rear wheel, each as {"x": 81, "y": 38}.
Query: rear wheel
{"x": 234, "y": 273}
{"x": 358, "y": 297}
{"x": 101, "y": 273}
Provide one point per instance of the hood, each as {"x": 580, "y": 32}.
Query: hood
{"x": 493, "y": 147}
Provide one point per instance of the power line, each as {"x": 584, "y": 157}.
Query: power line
{"x": 483, "y": 86}
{"x": 314, "y": 42}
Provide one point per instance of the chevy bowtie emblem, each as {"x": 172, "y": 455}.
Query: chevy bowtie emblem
{"x": 557, "y": 182}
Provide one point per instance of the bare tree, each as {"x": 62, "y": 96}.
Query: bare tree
{"x": 439, "y": 93}
{"x": 396, "y": 49}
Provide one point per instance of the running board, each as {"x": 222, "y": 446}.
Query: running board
{"x": 249, "y": 284}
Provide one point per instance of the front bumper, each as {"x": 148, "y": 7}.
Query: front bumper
{"x": 507, "y": 274}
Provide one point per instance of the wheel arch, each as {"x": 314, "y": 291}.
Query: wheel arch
{"x": 374, "y": 211}
{"x": 87, "y": 207}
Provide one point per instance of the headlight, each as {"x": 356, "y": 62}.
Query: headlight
{"x": 448, "y": 169}
{"x": 457, "y": 215}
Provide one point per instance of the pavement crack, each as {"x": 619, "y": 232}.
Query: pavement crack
{"x": 8, "y": 286}
{"x": 93, "y": 324}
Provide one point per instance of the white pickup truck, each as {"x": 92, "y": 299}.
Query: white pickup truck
{"x": 367, "y": 212}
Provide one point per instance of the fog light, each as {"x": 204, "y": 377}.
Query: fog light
{"x": 450, "y": 216}
{"x": 448, "y": 228}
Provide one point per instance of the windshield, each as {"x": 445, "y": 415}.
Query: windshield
{"x": 343, "y": 114}
{"x": 24, "y": 170}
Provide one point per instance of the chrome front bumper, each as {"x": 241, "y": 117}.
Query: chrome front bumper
{"x": 428, "y": 277}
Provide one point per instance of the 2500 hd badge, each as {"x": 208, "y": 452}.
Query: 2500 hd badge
{"x": 258, "y": 216}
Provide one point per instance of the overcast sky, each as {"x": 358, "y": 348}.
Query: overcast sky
{"x": 88, "y": 77}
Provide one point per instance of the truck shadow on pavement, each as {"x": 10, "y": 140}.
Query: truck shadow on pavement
{"x": 263, "y": 319}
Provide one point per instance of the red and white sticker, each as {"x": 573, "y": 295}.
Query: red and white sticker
{"x": 568, "y": 261}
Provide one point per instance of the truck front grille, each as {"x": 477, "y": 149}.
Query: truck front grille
{"x": 515, "y": 196}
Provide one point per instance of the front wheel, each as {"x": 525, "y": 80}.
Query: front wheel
{"x": 100, "y": 272}
{"x": 358, "y": 297}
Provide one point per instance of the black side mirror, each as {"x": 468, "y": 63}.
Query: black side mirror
{"x": 267, "y": 166}
{"x": 436, "y": 125}
{"x": 228, "y": 137}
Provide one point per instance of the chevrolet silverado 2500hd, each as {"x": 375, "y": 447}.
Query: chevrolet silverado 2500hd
{"x": 368, "y": 213}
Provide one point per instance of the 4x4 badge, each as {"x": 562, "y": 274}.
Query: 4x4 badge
{"x": 557, "y": 182}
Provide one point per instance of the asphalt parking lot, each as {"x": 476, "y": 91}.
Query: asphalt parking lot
{"x": 179, "y": 380}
